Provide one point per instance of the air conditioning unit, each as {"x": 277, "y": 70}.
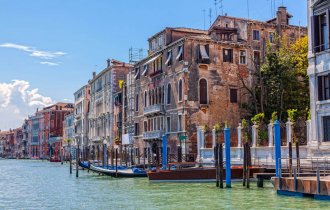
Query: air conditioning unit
{"x": 185, "y": 97}
{"x": 186, "y": 63}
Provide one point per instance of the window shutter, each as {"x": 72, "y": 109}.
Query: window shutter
{"x": 328, "y": 86}
{"x": 315, "y": 33}
{"x": 319, "y": 85}
{"x": 328, "y": 26}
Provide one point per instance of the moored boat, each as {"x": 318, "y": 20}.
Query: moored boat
{"x": 121, "y": 172}
{"x": 198, "y": 174}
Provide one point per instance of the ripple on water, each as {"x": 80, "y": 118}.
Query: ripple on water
{"x": 28, "y": 184}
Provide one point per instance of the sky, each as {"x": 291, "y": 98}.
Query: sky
{"x": 49, "y": 49}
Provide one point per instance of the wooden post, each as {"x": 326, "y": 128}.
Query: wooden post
{"x": 244, "y": 164}
{"x": 125, "y": 154}
{"x": 70, "y": 156}
{"x": 248, "y": 155}
{"x": 77, "y": 161}
{"x": 298, "y": 157}
{"x": 220, "y": 150}
{"x": 179, "y": 154}
{"x": 138, "y": 155}
{"x": 116, "y": 162}
{"x": 216, "y": 159}
{"x": 108, "y": 155}
{"x": 318, "y": 181}
{"x": 295, "y": 180}
{"x": 112, "y": 156}
{"x": 132, "y": 158}
{"x": 290, "y": 159}
{"x": 144, "y": 157}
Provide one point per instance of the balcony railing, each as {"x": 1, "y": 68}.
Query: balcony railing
{"x": 153, "y": 109}
{"x": 152, "y": 135}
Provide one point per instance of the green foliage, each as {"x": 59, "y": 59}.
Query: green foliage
{"x": 309, "y": 114}
{"x": 217, "y": 128}
{"x": 244, "y": 124}
{"x": 281, "y": 82}
{"x": 292, "y": 114}
{"x": 258, "y": 118}
{"x": 206, "y": 128}
{"x": 274, "y": 117}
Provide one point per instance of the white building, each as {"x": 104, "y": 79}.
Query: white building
{"x": 81, "y": 108}
{"x": 103, "y": 86}
{"x": 319, "y": 72}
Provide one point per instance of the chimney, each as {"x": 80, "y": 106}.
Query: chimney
{"x": 108, "y": 63}
{"x": 282, "y": 16}
{"x": 94, "y": 74}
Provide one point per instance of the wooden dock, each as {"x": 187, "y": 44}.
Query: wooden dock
{"x": 314, "y": 186}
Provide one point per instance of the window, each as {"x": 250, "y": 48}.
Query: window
{"x": 137, "y": 73}
{"x": 233, "y": 96}
{"x": 180, "y": 90}
{"x": 136, "y": 129}
{"x": 179, "y": 122}
{"x": 320, "y": 32}
{"x": 153, "y": 44}
{"x": 145, "y": 69}
{"x": 160, "y": 41}
{"x": 326, "y": 128}
{"x": 228, "y": 55}
{"x": 256, "y": 35}
{"x": 203, "y": 56}
{"x": 145, "y": 98}
{"x": 169, "y": 94}
{"x": 137, "y": 103}
{"x": 323, "y": 87}
{"x": 271, "y": 37}
{"x": 256, "y": 58}
{"x": 203, "y": 91}
{"x": 179, "y": 57}
{"x": 168, "y": 124}
{"x": 169, "y": 58}
{"x": 242, "y": 57}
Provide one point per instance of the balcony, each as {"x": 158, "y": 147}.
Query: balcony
{"x": 153, "y": 109}
{"x": 54, "y": 139}
{"x": 152, "y": 135}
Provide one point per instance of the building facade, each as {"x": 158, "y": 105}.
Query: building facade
{"x": 195, "y": 79}
{"x": 103, "y": 87}
{"x": 319, "y": 70}
{"x": 81, "y": 110}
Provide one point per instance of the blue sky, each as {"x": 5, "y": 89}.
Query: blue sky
{"x": 54, "y": 45}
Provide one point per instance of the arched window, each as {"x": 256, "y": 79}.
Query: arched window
{"x": 145, "y": 98}
{"x": 203, "y": 91}
{"x": 149, "y": 97}
{"x": 168, "y": 94}
{"x": 137, "y": 103}
{"x": 159, "y": 96}
{"x": 153, "y": 97}
{"x": 180, "y": 90}
{"x": 156, "y": 96}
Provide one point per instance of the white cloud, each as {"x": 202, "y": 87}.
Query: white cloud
{"x": 17, "y": 101}
{"x": 33, "y": 51}
{"x": 49, "y": 63}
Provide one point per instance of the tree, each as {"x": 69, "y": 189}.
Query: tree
{"x": 281, "y": 82}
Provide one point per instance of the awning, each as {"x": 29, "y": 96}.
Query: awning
{"x": 152, "y": 59}
{"x": 203, "y": 52}
{"x": 169, "y": 57}
{"x": 180, "y": 52}
{"x": 145, "y": 69}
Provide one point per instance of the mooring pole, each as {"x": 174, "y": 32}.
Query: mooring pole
{"x": 244, "y": 164}
{"x": 228, "y": 164}
{"x": 248, "y": 164}
{"x": 70, "y": 156}
{"x": 290, "y": 159}
{"x": 164, "y": 148}
{"x": 77, "y": 161}
{"x": 220, "y": 161}
{"x": 216, "y": 159}
{"x": 277, "y": 140}
{"x": 298, "y": 157}
{"x": 116, "y": 162}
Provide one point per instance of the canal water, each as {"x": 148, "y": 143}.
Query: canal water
{"x": 28, "y": 184}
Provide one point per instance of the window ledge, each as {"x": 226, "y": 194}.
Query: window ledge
{"x": 323, "y": 102}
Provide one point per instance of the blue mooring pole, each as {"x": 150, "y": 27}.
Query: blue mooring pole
{"x": 104, "y": 155}
{"x": 164, "y": 158}
{"x": 228, "y": 165}
{"x": 277, "y": 140}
